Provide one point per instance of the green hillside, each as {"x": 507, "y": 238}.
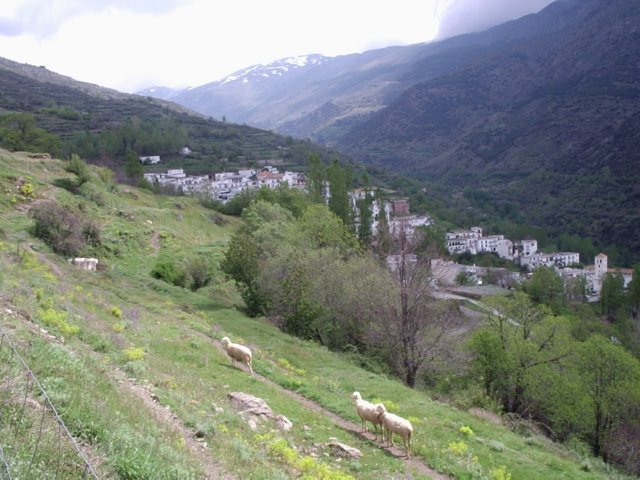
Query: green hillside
{"x": 134, "y": 366}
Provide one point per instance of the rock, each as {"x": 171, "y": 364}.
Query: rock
{"x": 255, "y": 409}
{"x": 283, "y": 423}
{"x": 342, "y": 450}
{"x": 249, "y": 404}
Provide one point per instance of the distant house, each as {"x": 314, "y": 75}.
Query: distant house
{"x": 149, "y": 159}
{"x": 556, "y": 259}
{"x": 460, "y": 241}
{"x": 528, "y": 246}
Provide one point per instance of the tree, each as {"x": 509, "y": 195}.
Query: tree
{"x": 383, "y": 239}
{"x": 546, "y": 286}
{"x": 287, "y": 277}
{"x": 366, "y": 218}
{"x": 612, "y": 294}
{"x": 241, "y": 264}
{"x": 634, "y": 291}
{"x": 18, "y": 131}
{"x": 340, "y": 182}
{"x": 80, "y": 168}
{"x": 490, "y": 360}
{"x": 322, "y": 228}
{"x": 611, "y": 378}
{"x": 413, "y": 328}
{"x": 133, "y": 168}
{"x": 316, "y": 177}
{"x": 529, "y": 337}
{"x": 265, "y": 227}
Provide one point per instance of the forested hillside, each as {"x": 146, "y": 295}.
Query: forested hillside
{"x": 102, "y": 125}
{"x": 549, "y": 124}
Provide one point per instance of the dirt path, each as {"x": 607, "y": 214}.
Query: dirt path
{"x": 154, "y": 241}
{"x": 212, "y": 469}
{"x": 416, "y": 464}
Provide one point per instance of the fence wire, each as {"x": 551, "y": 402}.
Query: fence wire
{"x": 34, "y": 441}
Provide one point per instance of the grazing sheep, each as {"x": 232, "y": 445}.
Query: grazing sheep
{"x": 237, "y": 352}
{"x": 394, "y": 424}
{"x": 367, "y": 412}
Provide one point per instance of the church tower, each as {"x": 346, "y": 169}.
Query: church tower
{"x": 600, "y": 269}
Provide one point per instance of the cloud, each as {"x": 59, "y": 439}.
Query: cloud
{"x": 43, "y": 18}
{"x": 464, "y": 16}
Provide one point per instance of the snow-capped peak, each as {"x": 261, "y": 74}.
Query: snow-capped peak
{"x": 274, "y": 69}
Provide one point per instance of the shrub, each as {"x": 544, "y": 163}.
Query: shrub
{"x": 196, "y": 272}
{"x": 192, "y": 273}
{"x": 466, "y": 431}
{"x": 457, "y": 448}
{"x": 27, "y": 189}
{"x": 65, "y": 231}
{"x": 500, "y": 473}
{"x": 166, "y": 269}
{"x": 133, "y": 353}
{"x": 80, "y": 168}
{"x": 58, "y": 319}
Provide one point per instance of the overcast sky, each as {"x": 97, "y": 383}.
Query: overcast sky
{"x": 132, "y": 44}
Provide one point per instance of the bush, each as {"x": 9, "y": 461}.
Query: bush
{"x": 196, "y": 272}
{"x": 167, "y": 270}
{"x": 65, "y": 231}
{"x": 192, "y": 273}
{"x": 80, "y": 168}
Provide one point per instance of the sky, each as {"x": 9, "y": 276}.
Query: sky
{"x": 129, "y": 45}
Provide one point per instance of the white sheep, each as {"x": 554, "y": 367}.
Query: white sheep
{"x": 394, "y": 424}
{"x": 367, "y": 412}
{"x": 237, "y": 352}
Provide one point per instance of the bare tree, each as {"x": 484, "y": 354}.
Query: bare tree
{"x": 416, "y": 323}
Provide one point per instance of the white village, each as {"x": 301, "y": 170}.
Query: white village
{"x": 524, "y": 253}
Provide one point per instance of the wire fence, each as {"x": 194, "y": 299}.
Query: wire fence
{"x": 34, "y": 441}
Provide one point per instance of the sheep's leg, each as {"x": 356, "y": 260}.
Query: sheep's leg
{"x": 250, "y": 369}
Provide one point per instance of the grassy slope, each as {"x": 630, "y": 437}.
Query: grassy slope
{"x": 178, "y": 331}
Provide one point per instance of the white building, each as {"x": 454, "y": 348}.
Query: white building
{"x": 556, "y": 259}
{"x": 495, "y": 244}
{"x": 528, "y": 246}
{"x": 149, "y": 159}
{"x": 600, "y": 268}
{"x": 460, "y": 241}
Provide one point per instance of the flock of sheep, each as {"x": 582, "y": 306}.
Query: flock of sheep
{"x": 390, "y": 423}
{"x": 368, "y": 412}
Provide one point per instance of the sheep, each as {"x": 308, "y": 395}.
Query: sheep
{"x": 367, "y": 412}
{"x": 394, "y": 424}
{"x": 237, "y": 352}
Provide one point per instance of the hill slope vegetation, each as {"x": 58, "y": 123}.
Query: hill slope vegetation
{"x": 116, "y": 348}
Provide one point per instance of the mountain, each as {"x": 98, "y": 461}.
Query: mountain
{"x": 550, "y": 123}
{"x": 540, "y": 113}
{"x": 319, "y": 97}
{"x": 100, "y": 123}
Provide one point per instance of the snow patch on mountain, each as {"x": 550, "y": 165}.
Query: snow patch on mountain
{"x": 275, "y": 69}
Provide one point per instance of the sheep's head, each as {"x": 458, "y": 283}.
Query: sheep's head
{"x": 225, "y": 341}
{"x": 380, "y": 409}
{"x": 355, "y": 396}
